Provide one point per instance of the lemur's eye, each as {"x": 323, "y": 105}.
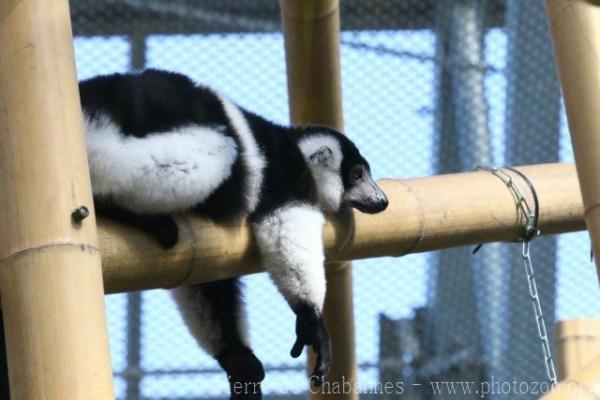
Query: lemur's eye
{"x": 357, "y": 173}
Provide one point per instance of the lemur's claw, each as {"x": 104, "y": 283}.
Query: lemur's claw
{"x": 311, "y": 331}
{"x": 322, "y": 365}
{"x": 297, "y": 349}
{"x": 316, "y": 381}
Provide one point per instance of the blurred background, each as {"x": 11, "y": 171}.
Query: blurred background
{"x": 429, "y": 87}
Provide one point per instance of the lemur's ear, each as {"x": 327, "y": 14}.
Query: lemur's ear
{"x": 322, "y": 157}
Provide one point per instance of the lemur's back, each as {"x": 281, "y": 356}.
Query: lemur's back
{"x": 152, "y": 101}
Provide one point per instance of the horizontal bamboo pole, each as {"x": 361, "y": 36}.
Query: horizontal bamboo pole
{"x": 424, "y": 214}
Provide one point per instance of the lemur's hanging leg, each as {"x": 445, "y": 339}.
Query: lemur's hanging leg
{"x": 214, "y": 315}
{"x": 291, "y": 245}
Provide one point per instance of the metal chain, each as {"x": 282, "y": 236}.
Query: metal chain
{"x": 530, "y": 232}
{"x": 539, "y": 315}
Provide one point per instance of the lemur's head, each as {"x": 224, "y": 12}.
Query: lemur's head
{"x": 341, "y": 174}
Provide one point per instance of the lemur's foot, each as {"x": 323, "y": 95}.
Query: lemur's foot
{"x": 164, "y": 229}
{"x": 311, "y": 331}
{"x": 244, "y": 371}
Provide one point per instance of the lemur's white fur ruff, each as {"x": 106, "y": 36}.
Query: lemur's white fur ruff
{"x": 201, "y": 322}
{"x": 252, "y": 157}
{"x": 330, "y": 187}
{"x": 291, "y": 246}
{"x": 161, "y": 173}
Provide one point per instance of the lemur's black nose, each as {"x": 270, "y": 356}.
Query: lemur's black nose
{"x": 384, "y": 203}
{"x": 380, "y": 205}
{"x": 377, "y": 206}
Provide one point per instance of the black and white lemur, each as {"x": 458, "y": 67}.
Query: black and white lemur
{"x": 158, "y": 144}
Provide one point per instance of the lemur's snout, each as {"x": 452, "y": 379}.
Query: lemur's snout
{"x": 367, "y": 197}
{"x": 377, "y": 203}
{"x": 381, "y": 203}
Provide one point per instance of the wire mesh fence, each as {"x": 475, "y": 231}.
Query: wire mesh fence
{"x": 429, "y": 87}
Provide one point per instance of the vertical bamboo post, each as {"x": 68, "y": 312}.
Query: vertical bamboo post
{"x": 312, "y": 37}
{"x": 575, "y": 28}
{"x": 50, "y": 275}
{"x": 577, "y": 344}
